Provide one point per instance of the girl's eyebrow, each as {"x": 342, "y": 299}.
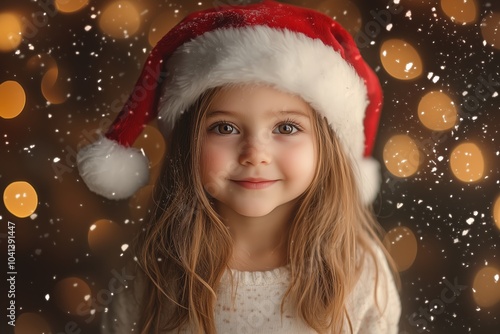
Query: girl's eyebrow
{"x": 215, "y": 113}
{"x": 294, "y": 112}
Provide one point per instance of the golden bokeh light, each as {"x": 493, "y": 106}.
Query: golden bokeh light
{"x": 486, "y": 287}
{"x": 120, "y": 19}
{"x": 154, "y": 173}
{"x": 401, "y": 156}
{"x": 402, "y": 245}
{"x": 73, "y": 296}
{"x": 105, "y": 236}
{"x": 70, "y": 6}
{"x": 344, "y": 12}
{"x": 41, "y": 61}
{"x": 31, "y": 323}
{"x": 437, "y": 111}
{"x": 152, "y": 142}
{"x": 463, "y": 11}
{"x": 400, "y": 59}
{"x": 141, "y": 202}
{"x": 490, "y": 29}
{"x": 13, "y": 99}
{"x": 467, "y": 162}
{"x": 20, "y": 198}
{"x": 163, "y": 23}
{"x": 10, "y": 32}
{"x": 53, "y": 91}
{"x": 496, "y": 211}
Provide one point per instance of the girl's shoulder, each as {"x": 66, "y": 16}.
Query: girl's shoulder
{"x": 374, "y": 305}
{"x": 123, "y": 313}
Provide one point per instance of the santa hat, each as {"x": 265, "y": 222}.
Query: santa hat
{"x": 293, "y": 49}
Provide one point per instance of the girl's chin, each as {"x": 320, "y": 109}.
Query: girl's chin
{"x": 253, "y": 212}
{"x": 249, "y": 210}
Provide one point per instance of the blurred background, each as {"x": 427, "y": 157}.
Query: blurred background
{"x": 67, "y": 66}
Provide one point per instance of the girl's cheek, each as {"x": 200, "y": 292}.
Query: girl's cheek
{"x": 301, "y": 157}
{"x": 216, "y": 160}
{"x": 218, "y": 165}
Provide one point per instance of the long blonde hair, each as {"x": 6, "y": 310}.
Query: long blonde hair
{"x": 184, "y": 249}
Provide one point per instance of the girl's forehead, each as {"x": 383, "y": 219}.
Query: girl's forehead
{"x": 258, "y": 96}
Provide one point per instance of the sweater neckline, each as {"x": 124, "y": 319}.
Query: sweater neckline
{"x": 252, "y": 278}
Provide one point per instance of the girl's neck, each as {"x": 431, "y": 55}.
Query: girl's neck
{"x": 260, "y": 243}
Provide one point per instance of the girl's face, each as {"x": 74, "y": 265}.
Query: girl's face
{"x": 258, "y": 149}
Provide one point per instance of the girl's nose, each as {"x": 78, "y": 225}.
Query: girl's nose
{"x": 254, "y": 153}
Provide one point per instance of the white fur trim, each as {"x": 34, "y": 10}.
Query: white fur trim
{"x": 368, "y": 179}
{"x": 286, "y": 60}
{"x": 112, "y": 170}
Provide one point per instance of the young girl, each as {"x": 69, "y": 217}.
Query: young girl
{"x": 262, "y": 221}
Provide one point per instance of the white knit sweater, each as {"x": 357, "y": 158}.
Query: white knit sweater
{"x": 255, "y": 305}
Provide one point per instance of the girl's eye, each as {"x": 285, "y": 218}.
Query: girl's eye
{"x": 223, "y": 129}
{"x": 286, "y": 129}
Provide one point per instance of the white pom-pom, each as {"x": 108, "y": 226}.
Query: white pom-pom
{"x": 368, "y": 179}
{"x": 112, "y": 170}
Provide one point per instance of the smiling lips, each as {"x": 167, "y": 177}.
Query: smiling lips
{"x": 254, "y": 183}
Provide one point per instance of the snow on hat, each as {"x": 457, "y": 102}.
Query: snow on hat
{"x": 293, "y": 49}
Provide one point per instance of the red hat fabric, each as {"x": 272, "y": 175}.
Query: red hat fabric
{"x": 293, "y": 49}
